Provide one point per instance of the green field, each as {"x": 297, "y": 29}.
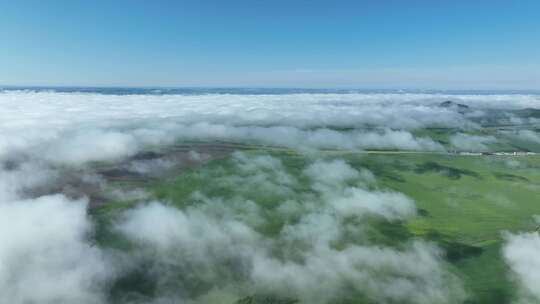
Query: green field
{"x": 464, "y": 203}
{"x": 468, "y": 201}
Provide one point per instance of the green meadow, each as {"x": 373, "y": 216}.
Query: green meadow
{"x": 465, "y": 202}
{"x": 464, "y": 205}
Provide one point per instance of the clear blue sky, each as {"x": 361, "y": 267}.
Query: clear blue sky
{"x": 365, "y": 44}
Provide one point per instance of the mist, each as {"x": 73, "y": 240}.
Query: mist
{"x": 521, "y": 254}
{"x": 220, "y": 243}
{"x": 217, "y": 248}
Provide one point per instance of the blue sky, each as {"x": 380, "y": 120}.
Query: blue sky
{"x": 463, "y": 44}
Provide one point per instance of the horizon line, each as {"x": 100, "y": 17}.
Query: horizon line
{"x": 235, "y": 87}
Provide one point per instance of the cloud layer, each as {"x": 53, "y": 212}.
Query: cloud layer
{"x": 80, "y": 127}
{"x": 219, "y": 247}
{"x": 221, "y": 243}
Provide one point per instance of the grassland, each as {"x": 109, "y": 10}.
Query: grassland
{"x": 464, "y": 204}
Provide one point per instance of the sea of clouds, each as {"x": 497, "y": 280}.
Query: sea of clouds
{"x": 213, "y": 251}
{"x": 72, "y": 127}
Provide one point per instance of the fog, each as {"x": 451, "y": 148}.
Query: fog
{"x": 473, "y": 143}
{"x": 521, "y": 254}
{"x": 45, "y": 255}
{"x": 215, "y": 249}
{"x": 219, "y": 241}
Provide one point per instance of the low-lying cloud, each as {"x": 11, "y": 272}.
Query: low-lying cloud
{"x": 472, "y": 143}
{"x": 521, "y": 254}
{"x": 45, "y": 255}
{"x": 220, "y": 247}
{"x": 226, "y": 251}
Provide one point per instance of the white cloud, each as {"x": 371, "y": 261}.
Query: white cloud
{"x": 94, "y": 145}
{"x": 76, "y": 127}
{"x": 472, "y": 143}
{"x": 529, "y": 135}
{"x": 45, "y": 256}
{"x": 222, "y": 248}
{"x": 522, "y": 253}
